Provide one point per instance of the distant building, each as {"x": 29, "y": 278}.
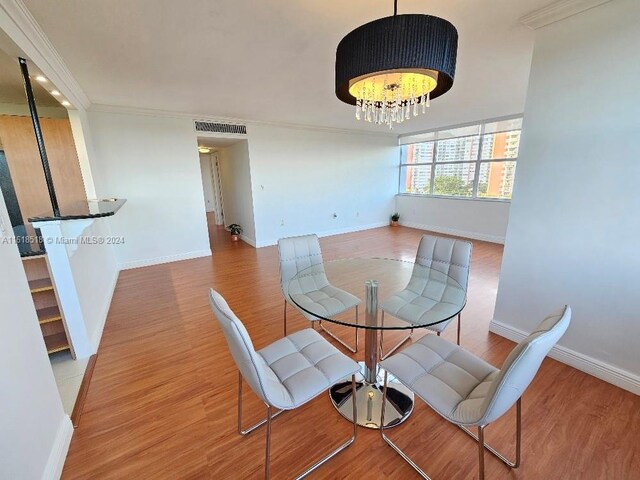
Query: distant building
{"x": 495, "y": 179}
{"x": 499, "y": 177}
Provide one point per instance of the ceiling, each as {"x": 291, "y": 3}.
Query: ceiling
{"x": 274, "y": 60}
{"x": 11, "y": 84}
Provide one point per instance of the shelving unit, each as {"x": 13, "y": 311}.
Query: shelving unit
{"x": 45, "y": 299}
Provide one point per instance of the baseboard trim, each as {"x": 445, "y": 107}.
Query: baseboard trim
{"x": 248, "y": 240}
{"x": 59, "y": 449}
{"x": 329, "y": 233}
{"x": 604, "y": 371}
{"x": 455, "y": 232}
{"x": 167, "y": 259}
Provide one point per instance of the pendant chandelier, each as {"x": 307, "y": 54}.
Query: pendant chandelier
{"x": 392, "y": 68}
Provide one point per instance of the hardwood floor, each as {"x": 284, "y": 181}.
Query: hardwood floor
{"x": 162, "y": 401}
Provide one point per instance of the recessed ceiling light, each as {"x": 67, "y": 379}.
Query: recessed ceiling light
{"x": 204, "y": 150}
{"x": 55, "y": 93}
{"x": 41, "y": 79}
{"x": 65, "y": 103}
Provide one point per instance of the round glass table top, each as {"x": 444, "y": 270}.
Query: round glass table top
{"x": 410, "y": 295}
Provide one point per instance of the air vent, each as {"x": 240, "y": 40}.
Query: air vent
{"x": 221, "y": 128}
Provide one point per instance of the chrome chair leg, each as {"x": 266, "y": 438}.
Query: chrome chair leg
{"x": 257, "y": 425}
{"x": 402, "y": 342}
{"x": 481, "y": 452}
{"x": 388, "y": 440}
{"x": 482, "y": 445}
{"x": 493, "y": 451}
{"x": 267, "y": 453}
{"x": 271, "y": 416}
{"x": 344, "y": 445}
{"x": 285, "y": 318}
{"x": 332, "y": 335}
{"x": 339, "y": 340}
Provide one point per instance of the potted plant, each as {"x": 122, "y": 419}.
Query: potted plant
{"x": 235, "y": 230}
{"x": 394, "y": 219}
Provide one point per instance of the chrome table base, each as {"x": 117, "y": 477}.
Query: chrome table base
{"x": 369, "y": 400}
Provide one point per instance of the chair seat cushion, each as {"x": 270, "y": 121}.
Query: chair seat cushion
{"x": 306, "y": 365}
{"x": 420, "y": 310}
{"x": 429, "y": 297}
{"x": 326, "y": 302}
{"x": 451, "y": 380}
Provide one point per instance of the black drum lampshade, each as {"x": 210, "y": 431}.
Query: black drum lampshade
{"x": 391, "y": 68}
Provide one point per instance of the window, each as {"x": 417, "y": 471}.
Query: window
{"x": 477, "y": 161}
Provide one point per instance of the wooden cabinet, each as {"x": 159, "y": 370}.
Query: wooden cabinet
{"x": 45, "y": 299}
{"x": 23, "y": 158}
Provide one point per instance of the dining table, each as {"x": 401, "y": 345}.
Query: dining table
{"x": 379, "y": 280}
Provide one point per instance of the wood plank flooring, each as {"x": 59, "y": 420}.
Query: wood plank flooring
{"x": 162, "y": 400}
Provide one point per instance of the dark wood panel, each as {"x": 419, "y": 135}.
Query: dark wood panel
{"x": 48, "y": 314}
{"x": 23, "y": 158}
{"x": 162, "y": 400}
{"x": 40, "y": 285}
{"x": 36, "y": 267}
{"x": 56, "y": 342}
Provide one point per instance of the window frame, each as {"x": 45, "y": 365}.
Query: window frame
{"x": 477, "y": 162}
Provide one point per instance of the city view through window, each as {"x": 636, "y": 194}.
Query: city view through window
{"x": 468, "y": 162}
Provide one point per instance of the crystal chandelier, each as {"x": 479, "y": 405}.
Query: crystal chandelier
{"x": 391, "y": 68}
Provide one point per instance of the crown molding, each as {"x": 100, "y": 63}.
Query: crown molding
{"x": 149, "y": 112}
{"x": 558, "y": 11}
{"x": 18, "y": 23}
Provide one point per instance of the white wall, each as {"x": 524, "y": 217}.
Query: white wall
{"x": 237, "y": 197}
{"x": 302, "y": 177}
{"x": 35, "y": 432}
{"x": 153, "y": 162}
{"x": 482, "y": 220}
{"x": 95, "y": 272}
{"x": 207, "y": 182}
{"x": 84, "y": 148}
{"x": 574, "y": 223}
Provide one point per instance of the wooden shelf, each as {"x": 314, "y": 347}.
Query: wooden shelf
{"x": 45, "y": 300}
{"x": 56, "y": 343}
{"x": 49, "y": 314}
{"x": 40, "y": 285}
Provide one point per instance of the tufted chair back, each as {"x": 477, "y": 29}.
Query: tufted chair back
{"x": 447, "y": 255}
{"x": 297, "y": 254}
{"x": 522, "y": 364}
{"x": 252, "y": 366}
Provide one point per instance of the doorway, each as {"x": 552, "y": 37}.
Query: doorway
{"x": 210, "y": 170}
{"x": 211, "y": 150}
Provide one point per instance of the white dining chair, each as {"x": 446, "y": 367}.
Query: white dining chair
{"x": 466, "y": 390}
{"x": 315, "y": 292}
{"x": 286, "y": 374}
{"x": 446, "y": 255}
